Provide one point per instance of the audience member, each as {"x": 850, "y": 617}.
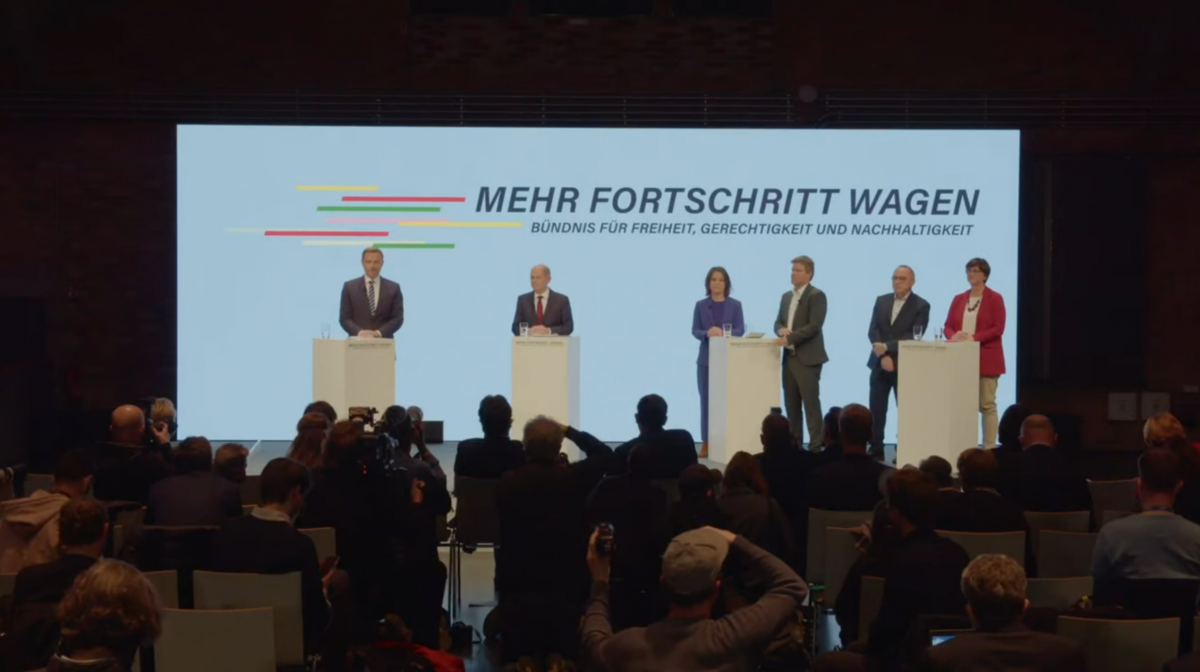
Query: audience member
{"x": 162, "y": 411}
{"x": 495, "y": 453}
{"x": 689, "y": 638}
{"x": 308, "y": 448}
{"x": 787, "y": 468}
{"x": 921, "y": 577}
{"x": 230, "y": 462}
{"x": 994, "y": 586}
{"x": 1157, "y": 543}
{"x": 134, "y": 458}
{"x": 538, "y": 571}
{"x": 831, "y": 439}
{"x": 1010, "y": 428}
{"x": 266, "y": 542}
{"x": 637, "y": 510}
{"x": 424, "y": 467}
{"x": 1160, "y": 429}
{"x": 32, "y": 631}
{"x": 29, "y": 529}
{"x": 981, "y": 508}
{"x": 697, "y": 505}
{"x": 948, "y": 495}
{"x": 323, "y": 408}
{"x": 852, "y": 482}
{"x": 1040, "y": 478}
{"x": 598, "y": 456}
{"x": 752, "y": 513}
{"x": 195, "y": 495}
{"x": 110, "y": 611}
{"x": 1187, "y": 501}
{"x": 670, "y": 450}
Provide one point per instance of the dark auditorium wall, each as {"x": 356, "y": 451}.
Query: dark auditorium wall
{"x": 87, "y": 207}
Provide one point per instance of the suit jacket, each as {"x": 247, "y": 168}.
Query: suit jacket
{"x": 852, "y": 483}
{"x": 126, "y": 473}
{"x": 1041, "y": 479}
{"x": 1013, "y": 648}
{"x": 638, "y": 511}
{"x": 33, "y": 631}
{"x": 989, "y": 329}
{"x": 672, "y": 450}
{"x": 543, "y": 532}
{"x": 253, "y": 545}
{"x": 198, "y": 498}
{"x": 702, "y": 321}
{"x": 914, "y": 312}
{"x": 488, "y": 457}
{"x": 556, "y": 313}
{"x": 356, "y": 310}
{"x": 806, "y": 336}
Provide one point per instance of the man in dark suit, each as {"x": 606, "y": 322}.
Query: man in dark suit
{"x": 799, "y": 327}
{"x": 372, "y": 306}
{"x": 669, "y": 451}
{"x": 1040, "y": 478}
{"x": 495, "y": 453}
{"x": 994, "y": 586}
{"x": 33, "y": 630}
{"x": 195, "y": 495}
{"x": 854, "y": 481}
{"x": 787, "y": 468}
{"x": 135, "y": 457}
{"x": 265, "y": 542}
{"x": 892, "y": 321}
{"x": 545, "y": 312}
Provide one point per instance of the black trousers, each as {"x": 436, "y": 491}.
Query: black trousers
{"x": 883, "y": 383}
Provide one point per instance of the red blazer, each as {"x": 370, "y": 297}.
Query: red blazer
{"x": 989, "y": 328}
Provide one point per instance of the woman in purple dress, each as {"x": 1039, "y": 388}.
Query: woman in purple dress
{"x": 708, "y": 321}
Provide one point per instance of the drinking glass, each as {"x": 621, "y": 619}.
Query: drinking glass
{"x": 524, "y": 328}
{"x": 726, "y": 330}
{"x": 325, "y": 330}
{"x": 918, "y": 331}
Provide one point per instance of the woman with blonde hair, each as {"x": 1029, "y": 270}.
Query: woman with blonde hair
{"x": 110, "y": 611}
{"x": 308, "y": 448}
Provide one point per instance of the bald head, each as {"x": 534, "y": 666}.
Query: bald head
{"x": 128, "y": 424}
{"x": 539, "y": 278}
{"x": 1038, "y": 430}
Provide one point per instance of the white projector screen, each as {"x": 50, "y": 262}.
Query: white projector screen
{"x": 271, "y": 223}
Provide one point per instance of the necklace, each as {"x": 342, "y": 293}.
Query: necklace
{"x": 972, "y": 308}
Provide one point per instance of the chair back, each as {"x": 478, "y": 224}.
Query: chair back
{"x": 1107, "y": 517}
{"x": 325, "y": 539}
{"x": 193, "y": 640}
{"x": 1154, "y": 598}
{"x": 166, "y": 582}
{"x": 818, "y": 521}
{"x": 281, "y": 592}
{"x": 869, "y": 601}
{"x": 669, "y": 486}
{"x": 35, "y": 482}
{"x": 252, "y": 490}
{"x": 1057, "y": 594}
{"x": 1069, "y": 521}
{"x": 1065, "y": 554}
{"x": 477, "y": 520}
{"x": 1123, "y": 646}
{"x": 247, "y": 508}
{"x": 1113, "y": 496}
{"x": 840, "y": 554}
{"x": 7, "y": 583}
{"x": 976, "y": 544}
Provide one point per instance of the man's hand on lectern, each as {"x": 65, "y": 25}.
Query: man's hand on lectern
{"x": 369, "y": 333}
{"x": 540, "y": 330}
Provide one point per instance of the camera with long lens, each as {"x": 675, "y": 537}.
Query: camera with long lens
{"x": 382, "y": 439}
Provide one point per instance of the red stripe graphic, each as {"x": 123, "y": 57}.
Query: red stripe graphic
{"x": 404, "y": 199}
{"x": 353, "y": 234}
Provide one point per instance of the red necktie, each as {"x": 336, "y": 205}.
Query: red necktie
{"x": 539, "y": 307}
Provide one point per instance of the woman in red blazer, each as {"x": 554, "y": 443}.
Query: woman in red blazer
{"x": 978, "y": 315}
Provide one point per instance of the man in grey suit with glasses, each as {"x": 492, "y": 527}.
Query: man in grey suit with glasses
{"x": 372, "y": 306}
{"x": 799, "y": 323}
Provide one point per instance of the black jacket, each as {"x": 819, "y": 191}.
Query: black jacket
{"x": 852, "y": 483}
{"x": 1013, "y": 648}
{"x": 488, "y": 457}
{"x": 126, "y": 473}
{"x": 544, "y": 547}
{"x": 673, "y": 450}
{"x": 198, "y": 498}
{"x": 761, "y": 520}
{"x": 33, "y": 631}
{"x": 914, "y": 312}
{"x": 1041, "y": 479}
{"x": 637, "y": 510}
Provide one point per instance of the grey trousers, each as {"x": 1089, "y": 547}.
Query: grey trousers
{"x": 802, "y": 396}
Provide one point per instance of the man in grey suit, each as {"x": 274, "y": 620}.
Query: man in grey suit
{"x": 801, "y": 318}
{"x": 372, "y": 307}
{"x": 895, "y": 316}
{"x": 544, "y": 311}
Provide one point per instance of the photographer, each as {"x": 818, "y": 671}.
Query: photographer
{"x": 135, "y": 457}
{"x": 405, "y": 432}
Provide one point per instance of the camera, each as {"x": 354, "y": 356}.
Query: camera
{"x": 383, "y": 439}
{"x": 604, "y": 539}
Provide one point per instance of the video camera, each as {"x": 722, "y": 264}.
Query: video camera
{"x": 383, "y": 438}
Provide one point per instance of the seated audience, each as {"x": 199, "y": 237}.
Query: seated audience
{"x": 980, "y": 507}
{"x": 539, "y": 572}
{"x": 637, "y": 510}
{"x": 671, "y": 450}
{"x": 29, "y": 529}
{"x": 162, "y": 411}
{"x": 266, "y": 542}
{"x": 32, "y": 630}
{"x": 689, "y": 638}
{"x": 1187, "y": 501}
{"x": 948, "y": 495}
{"x": 697, "y": 505}
{"x": 495, "y": 453}
{"x": 994, "y": 586}
{"x": 308, "y": 448}
{"x": 1156, "y": 543}
{"x": 852, "y": 482}
{"x": 1009, "y": 430}
{"x": 195, "y": 495}
{"x": 230, "y": 462}
{"x": 752, "y": 513}
{"x": 134, "y": 458}
{"x": 831, "y": 438}
{"x": 1040, "y": 478}
{"x": 787, "y": 468}
{"x": 323, "y": 408}
{"x": 921, "y": 576}
{"x": 110, "y": 611}
{"x": 1160, "y": 429}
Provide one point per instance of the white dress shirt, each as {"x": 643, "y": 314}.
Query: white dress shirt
{"x": 378, "y": 285}
{"x": 898, "y": 305}
{"x": 797, "y": 294}
{"x": 970, "y": 317}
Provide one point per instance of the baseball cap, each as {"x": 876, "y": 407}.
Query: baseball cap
{"x": 693, "y": 562}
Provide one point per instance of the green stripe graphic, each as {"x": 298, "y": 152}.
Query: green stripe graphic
{"x": 375, "y": 208}
{"x": 415, "y": 246}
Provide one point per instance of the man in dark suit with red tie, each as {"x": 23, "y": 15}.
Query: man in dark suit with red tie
{"x": 544, "y": 311}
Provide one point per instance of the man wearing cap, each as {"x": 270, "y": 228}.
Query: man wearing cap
{"x": 689, "y": 638}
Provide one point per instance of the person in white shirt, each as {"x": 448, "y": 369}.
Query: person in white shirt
{"x": 799, "y": 328}
{"x": 372, "y": 306}
{"x": 897, "y": 317}
{"x": 544, "y": 312}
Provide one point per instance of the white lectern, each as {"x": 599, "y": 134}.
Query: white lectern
{"x": 743, "y": 386}
{"x": 354, "y": 372}
{"x": 938, "y": 400}
{"x": 545, "y": 381}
